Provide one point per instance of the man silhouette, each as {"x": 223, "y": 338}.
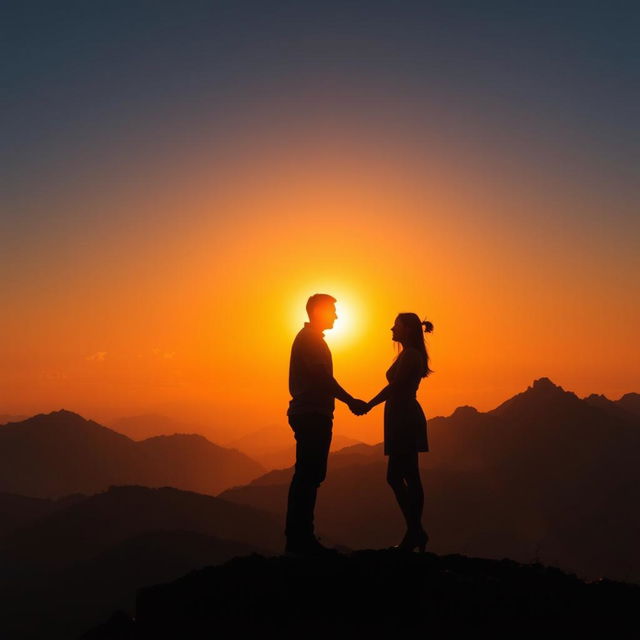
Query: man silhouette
{"x": 313, "y": 391}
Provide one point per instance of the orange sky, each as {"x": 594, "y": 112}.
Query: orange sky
{"x": 179, "y": 291}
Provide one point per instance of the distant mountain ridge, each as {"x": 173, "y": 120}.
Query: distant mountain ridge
{"x": 148, "y": 425}
{"x": 55, "y": 454}
{"x": 9, "y": 417}
{"x": 17, "y": 510}
{"x": 630, "y": 402}
{"x": 94, "y": 523}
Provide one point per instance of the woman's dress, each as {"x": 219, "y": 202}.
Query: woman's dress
{"x": 405, "y": 425}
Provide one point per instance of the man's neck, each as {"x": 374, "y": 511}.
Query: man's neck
{"x": 315, "y": 328}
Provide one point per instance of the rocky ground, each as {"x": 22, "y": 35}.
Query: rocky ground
{"x": 374, "y": 594}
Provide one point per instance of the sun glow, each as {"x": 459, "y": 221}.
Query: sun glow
{"x": 343, "y": 326}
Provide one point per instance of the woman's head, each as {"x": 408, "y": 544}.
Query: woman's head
{"x": 409, "y": 331}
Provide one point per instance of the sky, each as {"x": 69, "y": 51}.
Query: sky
{"x": 178, "y": 177}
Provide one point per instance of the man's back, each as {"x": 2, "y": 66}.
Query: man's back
{"x": 308, "y": 389}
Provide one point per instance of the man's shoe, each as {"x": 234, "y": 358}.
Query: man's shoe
{"x": 297, "y": 548}
{"x": 307, "y": 548}
{"x": 292, "y": 550}
{"x": 319, "y": 549}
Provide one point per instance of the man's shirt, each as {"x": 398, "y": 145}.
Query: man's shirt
{"x": 309, "y": 394}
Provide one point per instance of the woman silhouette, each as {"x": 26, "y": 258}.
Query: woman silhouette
{"x": 405, "y": 426}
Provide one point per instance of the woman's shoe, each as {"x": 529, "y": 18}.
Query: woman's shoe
{"x": 406, "y": 544}
{"x": 423, "y": 538}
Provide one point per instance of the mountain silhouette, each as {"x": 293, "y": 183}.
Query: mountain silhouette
{"x": 8, "y": 417}
{"x": 539, "y": 398}
{"x": 70, "y": 568}
{"x": 546, "y": 475}
{"x": 91, "y": 525}
{"x": 17, "y": 511}
{"x": 373, "y": 594}
{"x": 599, "y": 400}
{"x": 149, "y": 425}
{"x": 630, "y": 402}
{"x": 55, "y": 454}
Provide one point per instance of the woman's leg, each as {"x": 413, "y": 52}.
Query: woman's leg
{"x": 395, "y": 479}
{"x": 403, "y": 475}
{"x": 415, "y": 492}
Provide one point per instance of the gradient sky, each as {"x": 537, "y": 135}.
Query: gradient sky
{"x": 178, "y": 177}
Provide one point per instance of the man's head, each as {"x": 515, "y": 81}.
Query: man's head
{"x": 321, "y": 308}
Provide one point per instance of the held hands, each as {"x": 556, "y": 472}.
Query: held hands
{"x": 359, "y": 407}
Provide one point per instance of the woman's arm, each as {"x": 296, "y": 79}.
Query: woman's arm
{"x": 381, "y": 397}
{"x": 408, "y": 368}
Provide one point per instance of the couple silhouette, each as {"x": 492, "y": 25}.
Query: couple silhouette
{"x": 314, "y": 389}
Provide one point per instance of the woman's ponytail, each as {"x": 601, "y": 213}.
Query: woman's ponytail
{"x": 428, "y": 326}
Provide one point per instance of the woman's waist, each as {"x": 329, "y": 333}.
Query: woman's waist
{"x": 402, "y": 401}
{"x": 402, "y": 396}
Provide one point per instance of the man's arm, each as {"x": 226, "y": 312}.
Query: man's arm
{"x": 328, "y": 382}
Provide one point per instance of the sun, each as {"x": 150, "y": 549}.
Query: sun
{"x": 343, "y": 326}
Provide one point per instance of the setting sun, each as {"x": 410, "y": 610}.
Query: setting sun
{"x": 344, "y": 326}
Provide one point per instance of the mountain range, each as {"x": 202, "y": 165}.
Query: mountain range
{"x": 148, "y": 425}
{"x": 55, "y": 454}
{"x": 545, "y": 477}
